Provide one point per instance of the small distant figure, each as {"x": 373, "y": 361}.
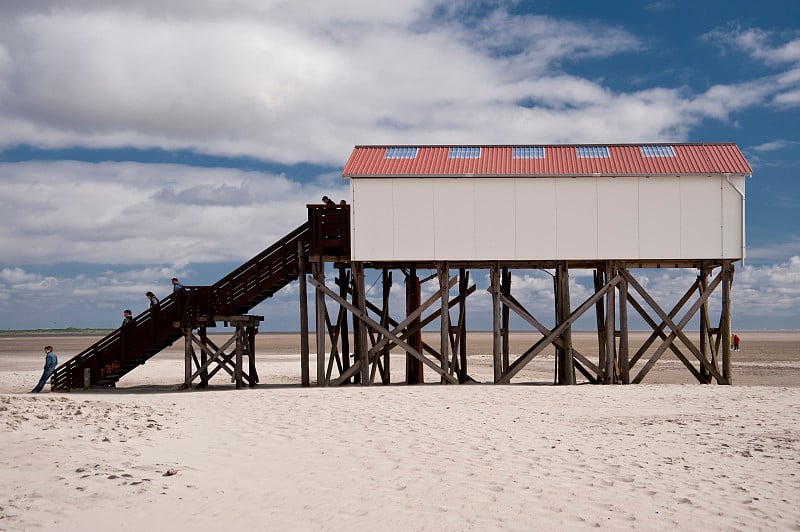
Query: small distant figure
{"x": 50, "y": 363}
{"x": 153, "y": 299}
{"x": 127, "y": 317}
{"x": 176, "y": 285}
{"x": 343, "y": 202}
{"x": 736, "y": 341}
{"x": 327, "y": 201}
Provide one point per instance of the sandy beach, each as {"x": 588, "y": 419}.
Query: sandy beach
{"x": 664, "y": 454}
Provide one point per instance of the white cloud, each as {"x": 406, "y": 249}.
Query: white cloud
{"x": 293, "y": 81}
{"x": 131, "y": 213}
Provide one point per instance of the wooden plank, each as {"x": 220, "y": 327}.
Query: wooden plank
{"x": 463, "y": 286}
{"x": 567, "y": 368}
{"x": 344, "y": 283}
{"x": 505, "y": 290}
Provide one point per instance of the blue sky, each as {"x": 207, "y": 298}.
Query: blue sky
{"x": 142, "y": 140}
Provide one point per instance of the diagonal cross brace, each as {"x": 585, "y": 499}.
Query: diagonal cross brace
{"x": 520, "y": 363}
{"x": 378, "y": 327}
{"x": 677, "y": 329}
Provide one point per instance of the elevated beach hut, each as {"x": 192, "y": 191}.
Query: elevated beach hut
{"x": 610, "y": 208}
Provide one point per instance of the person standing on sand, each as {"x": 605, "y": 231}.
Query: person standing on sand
{"x": 736, "y": 342}
{"x": 50, "y": 363}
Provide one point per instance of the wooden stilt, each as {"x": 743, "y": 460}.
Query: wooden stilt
{"x": 463, "y": 285}
{"x": 444, "y": 329}
{"x": 203, "y": 358}
{"x": 187, "y": 352}
{"x": 610, "y": 327}
{"x": 624, "y": 360}
{"x": 505, "y": 289}
{"x": 704, "y": 326}
{"x": 566, "y": 370}
{"x": 240, "y": 347}
{"x": 497, "y": 334}
{"x": 387, "y": 360}
{"x": 601, "y": 326}
{"x": 725, "y": 321}
{"x": 414, "y": 372}
{"x": 361, "y": 347}
{"x": 251, "y": 352}
{"x": 305, "y": 377}
{"x": 318, "y": 270}
{"x": 344, "y": 283}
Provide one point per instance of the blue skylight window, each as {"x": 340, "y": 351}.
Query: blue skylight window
{"x": 528, "y": 152}
{"x": 401, "y": 153}
{"x": 467, "y": 152}
{"x": 593, "y": 152}
{"x": 657, "y": 151}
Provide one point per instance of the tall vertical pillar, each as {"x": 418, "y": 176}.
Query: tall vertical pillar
{"x": 497, "y": 347}
{"x": 725, "y": 325}
{"x": 444, "y": 296}
{"x": 305, "y": 377}
{"x": 565, "y": 368}
{"x": 414, "y": 374}
{"x": 361, "y": 304}
{"x": 318, "y": 270}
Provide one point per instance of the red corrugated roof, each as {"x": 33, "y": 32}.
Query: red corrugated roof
{"x": 560, "y": 160}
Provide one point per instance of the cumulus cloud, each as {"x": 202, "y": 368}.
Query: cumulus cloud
{"x": 132, "y": 213}
{"x": 294, "y": 81}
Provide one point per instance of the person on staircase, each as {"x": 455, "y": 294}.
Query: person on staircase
{"x": 127, "y": 318}
{"x": 50, "y": 363}
{"x": 153, "y": 299}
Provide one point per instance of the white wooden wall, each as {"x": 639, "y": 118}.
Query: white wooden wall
{"x": 563, "y": 218}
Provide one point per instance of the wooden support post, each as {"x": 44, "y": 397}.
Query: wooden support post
{"x": 251, "y": 352}
{"x": 187, "y": 355}
{"x": 414, "y": 368}
{"x": 505, "y": 289}
{"x": 497, "y": 346}
{"x": 704, "y": 326}
{"x": 203, "y": 358}
{"x": 444, "y": 296}
{"x": 344, "y": 282}
{"x": 725, "y": 321}
{"x": 318, "y": 269}
{"x": 601, "y": 329}
{"x": 566, "y": 368}
{"x": 463, "y": 285}
{"x": 624, "y": 357}
{"x": 305, "y": 377}
{"x": 361, "y": 305}
{"x": 240, "y": 346}
{"x": 387, "y": 360}
{"x": 610, "y": 326}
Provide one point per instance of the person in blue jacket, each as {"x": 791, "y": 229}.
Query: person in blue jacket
{"x": 50, "y": 363}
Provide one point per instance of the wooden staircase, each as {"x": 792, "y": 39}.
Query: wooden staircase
{"x": 158, "y": 327}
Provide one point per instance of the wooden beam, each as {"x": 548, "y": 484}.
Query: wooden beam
{"x": 725, "y": 322}
{"x": 444, "y": 329}
{"x": 318, "y": 271}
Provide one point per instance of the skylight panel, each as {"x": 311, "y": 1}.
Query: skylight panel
{"x": 593, "y": 152}
{"x": 401, "y": 153}
{"x": 657, "y": 151}
{"x": 466, "y": 152}
{"x": 528, "y": 152}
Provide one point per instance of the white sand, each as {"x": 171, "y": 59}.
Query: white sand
{"x": 431, "y": 457}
